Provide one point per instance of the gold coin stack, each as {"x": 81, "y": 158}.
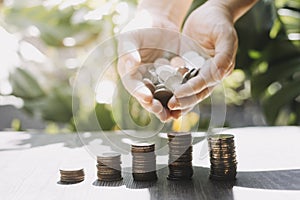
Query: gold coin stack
{"x": 222, "y": 157}
{"x": 180, "y": 156}
{"x": 109, "y": 167}
{"x": 143, "y": 162}
{"x": 71, "y": 176}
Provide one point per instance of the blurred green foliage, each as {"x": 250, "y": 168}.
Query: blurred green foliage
{"x": 268, "y": 60}
{"x": 269, "y": 53}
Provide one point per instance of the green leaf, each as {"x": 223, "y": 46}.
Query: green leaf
{"x": 24, "y": 85}
{"x": 284, "y": 96}
{"x": 276, "y": 72}
{"x": 56, "y": 106}
{"x": 104, "y": 117}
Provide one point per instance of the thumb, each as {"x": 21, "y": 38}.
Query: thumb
{"x": 129, "y": 63}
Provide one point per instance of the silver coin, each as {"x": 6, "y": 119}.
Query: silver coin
{"x": 173, "y": 82}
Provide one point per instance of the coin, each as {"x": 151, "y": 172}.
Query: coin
{"x": 143, "y": 161}
{"x": 149, "y": 84}
{"x": 71, "y": 176}
{"x": 223, "y": 163}
{"x": 177, "y": 62}
{"x": 109, "y": 166}
{"x": 163, "y": 95}
{"x": 161, "y": 61}
{"x": 194, "y": 73}
{"x": 221, "y": 137}
{"x": 180, "y": 155}
{"x": 189, "y": 55}
{"x": 165, "y": 71}
{"x": 147, "y": 176}
{"x": 182, "y": 70}
{"x": 186, "y": 77}
{"x": 197, "y": 61}
{"x": 173, "y": 82}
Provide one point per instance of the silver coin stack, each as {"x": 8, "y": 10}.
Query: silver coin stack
{"x": 165, "y": 75}
{"x": 180, "y": 156}
{"x": 143, "y": 162}
{"x": 109, "y": 167}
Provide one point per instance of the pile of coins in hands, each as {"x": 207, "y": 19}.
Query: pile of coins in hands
{"x": 165, "y": 75}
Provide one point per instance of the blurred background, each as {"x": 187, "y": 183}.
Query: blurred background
{"x": 43, "y": 43}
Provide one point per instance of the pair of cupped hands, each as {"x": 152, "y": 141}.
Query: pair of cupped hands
{"x": 143, "y": 39}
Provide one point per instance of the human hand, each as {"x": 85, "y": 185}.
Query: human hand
{"x": 141, "y": 42}
{"x": 211, "y": 26}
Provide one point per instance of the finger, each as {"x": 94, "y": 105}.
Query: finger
{"x": 134, "y": 85}
{"x": 189, "y": 101}
{"x": 129, "y": 63}
{"x": 205, "y": 78}
{"x": 225, "y": 50}
{"x": 153, "y": 107}
{"x": 129, "y": 57}
{"x": 158, "y": 110}
{"x": 165, "y": 115}
{"x": 178, "y": 113}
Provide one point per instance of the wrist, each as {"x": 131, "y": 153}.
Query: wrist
{"x": 223, "y": 8}
{"x": 173, "y": 11}
{"x": 236, "y": 8}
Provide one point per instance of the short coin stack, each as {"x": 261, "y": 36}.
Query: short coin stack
{"x": 164, "y": 75}
{"x": 222, "y": 157}
{"x": 143, "y": 162}
{"x": 180, "y": 156}
{"x": 109, "y": 167}
{"x": 71, "y": 176}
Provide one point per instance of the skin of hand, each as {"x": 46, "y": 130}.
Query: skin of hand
{"x": 134, "y": 48}
{"x": 212, "y": 27}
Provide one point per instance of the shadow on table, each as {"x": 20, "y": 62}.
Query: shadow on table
{"x": 201, "y": 187}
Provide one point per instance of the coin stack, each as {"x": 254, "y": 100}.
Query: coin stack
{"x": 180, "y": 156}
{"x": 143, "y": 162}
{"x": 222, "y": 157}
{"x": 109, "y": 167}
{"x": 164, "y": 75}
{"x": 71, "y": 176}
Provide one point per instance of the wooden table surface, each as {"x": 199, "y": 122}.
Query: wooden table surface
{"x": 268, "y": 166}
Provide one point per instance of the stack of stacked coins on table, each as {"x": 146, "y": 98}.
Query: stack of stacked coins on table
{"x": 180, "y": 156}
{"x": 109, "y": 167}
{"x": 143, "y": 162}
{"x": 165, "y": 75}
{"x": 222, "y": 157}
{"x": 71, "y": 176}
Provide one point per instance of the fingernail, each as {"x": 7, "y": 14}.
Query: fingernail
{"x": 147, "y": 100}
{"x": 157, "y": 108}
{"x": 172, "y": 103}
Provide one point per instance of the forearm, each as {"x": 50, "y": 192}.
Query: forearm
{"x": 174, "y": 10}
{"x": 237, "y": 8}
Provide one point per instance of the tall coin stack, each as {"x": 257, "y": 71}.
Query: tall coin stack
{"x": 180, "y": 156}
{"x": 143, "y": 162}
{"x": 71, "y": 176}
{"x": 109, "y": 167}
{"x": 222, "y": 157}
